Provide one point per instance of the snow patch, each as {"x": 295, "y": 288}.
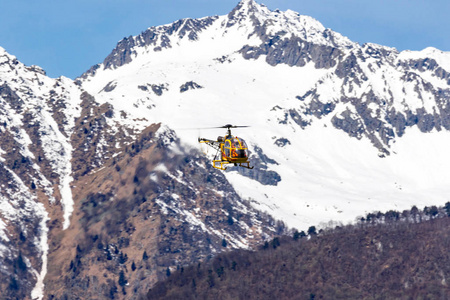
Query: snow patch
{"x": 38, "y": 290}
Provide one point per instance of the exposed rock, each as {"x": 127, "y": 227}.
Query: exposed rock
{"x": 294, "y": 114}
{"x": 292, "y": 51}
{"x": 126, "y": 48}
{"x": 158, "y": 89}
{"x": 109, "y": 87}
{"x": 190, "y": 85}
{"x": 121, "y": 55}
{"x": 349, "y": 123}
{"x": 11, "y": 97}
{"x": 282, "y": 142}
{"x": 260, "y": 171}
{"x": 36, "y": 69}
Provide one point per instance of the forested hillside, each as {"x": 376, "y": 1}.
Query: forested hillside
{"x": 392, "y": 255}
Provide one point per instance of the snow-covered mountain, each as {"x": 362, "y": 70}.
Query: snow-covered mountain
{"x": 338, "y": 129}
{"x": 102, "y": 182}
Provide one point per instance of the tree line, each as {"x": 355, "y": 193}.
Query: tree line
{"x": 390, "y": 255}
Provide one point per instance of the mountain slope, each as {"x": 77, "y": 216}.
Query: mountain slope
{"x": 37, "y": 117}
{"x": 152, "y": 207}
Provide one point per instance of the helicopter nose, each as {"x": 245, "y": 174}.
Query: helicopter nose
{"x": 241, "y": 153}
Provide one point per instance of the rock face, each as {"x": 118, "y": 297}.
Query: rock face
{"x": 380, "y": 112}
{"x": 155, "y": 38}
{"x": 189, "y": 86}
{"x": 260, "y": 171}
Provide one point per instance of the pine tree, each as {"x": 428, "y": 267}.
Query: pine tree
{"x": 112, "y": 291}
{"x": 433, "y": 211}
{"x": 122, "y": 258}
{"x": 13, "y": 284}
{"x": 275, "y": 243}
{"x": 122, "y": 280}
{"x": 312, "y": 230}
{"x": 20, "y": 263}
{"x": 447, "y": 208}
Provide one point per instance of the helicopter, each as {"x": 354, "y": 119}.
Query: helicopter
{"x": 233, "y": 149}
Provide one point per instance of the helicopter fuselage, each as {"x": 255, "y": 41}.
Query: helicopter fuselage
{"x": 232, "y": 150}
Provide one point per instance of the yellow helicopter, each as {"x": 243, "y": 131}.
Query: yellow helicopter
{"x": 233, "y": 149}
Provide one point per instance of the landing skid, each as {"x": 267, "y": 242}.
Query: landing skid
{"x": 225, "y": 162}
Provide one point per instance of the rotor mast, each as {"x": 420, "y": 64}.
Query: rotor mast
{"x": 229, "y": 126}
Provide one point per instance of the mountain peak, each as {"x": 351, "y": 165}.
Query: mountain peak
{"x": 247, "y": 4}
{"x": 246, "y": 8}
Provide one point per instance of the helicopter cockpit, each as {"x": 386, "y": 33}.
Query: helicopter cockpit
{"x": 235, "y": 148}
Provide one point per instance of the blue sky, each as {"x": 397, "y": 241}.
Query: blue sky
{"x": 68, "y": 37}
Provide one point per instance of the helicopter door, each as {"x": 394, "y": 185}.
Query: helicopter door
{"x": 242, "y": 151}
{"x": 234, "y": 148}
{"x": 227, "y": 148}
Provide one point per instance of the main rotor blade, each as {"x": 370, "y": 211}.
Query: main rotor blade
{"x": 225, "y": 126}
{"x": 233, "y": 126}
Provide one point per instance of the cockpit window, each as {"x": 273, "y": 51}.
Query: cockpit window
{"x": 235, "y": 147}
{"x": 243, "y": 144}
{"x": 235, "y": 143}
{"x": 227, "y": 148}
